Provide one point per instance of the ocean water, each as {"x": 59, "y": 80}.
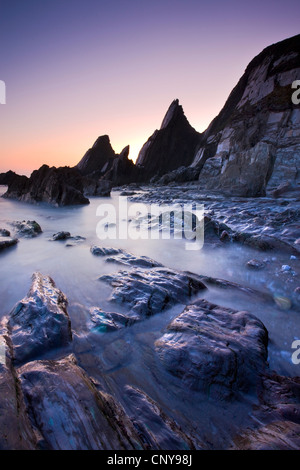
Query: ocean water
{"x": 127, "y": 356}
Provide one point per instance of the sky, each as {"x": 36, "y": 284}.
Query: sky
{"x": 78, "y": 69}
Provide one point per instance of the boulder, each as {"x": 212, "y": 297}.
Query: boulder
{"x": 27, "y": 229}
{"x": 40, "y": 322}
{"x": 215, "y": 350}
{"x": 4, "y": 232}
{"x": 61, "y": 236}
{"x": 103, "y": 251}
{"x": 7, "y": 242}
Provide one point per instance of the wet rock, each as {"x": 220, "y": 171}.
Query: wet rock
{"x": 215, "y": 350}
{"x": 148, "y": 292}
{"x": 282, "y": 435}
{"x": 264, "y": 242}
{"x": 277, "y": 417}
{"x": 255, "y": 264}
{"x": 285, "y": 268}
{"x": 215, "y": 231}
{"x": 16, "y": 432}
{"x": 102, "y": 251}
{"x": 110, "y": 321}
{"x": 6, "y": 242}
{"x": 4, "y": 232}
{"x": 29, "y": 229}
{"x": 156, "y": 429}
{"x": 225, "y": 237}
{"x": 224, "y": 284}
{"x": 75, "y": 241}
{"x": 61, "y": 236}
{"x": 117, "y": 354}
{"x": 70, "y": 413}
{"x": 131, "y": 260}
{"x": 127, "y": 193}
{"x": 283, "y": 188}
{"x": 40, "y": 322}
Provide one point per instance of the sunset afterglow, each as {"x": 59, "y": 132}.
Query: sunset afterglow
{"x": 75, "y": 70}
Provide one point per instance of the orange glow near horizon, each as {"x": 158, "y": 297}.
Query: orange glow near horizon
{"x": 76, "y": 70}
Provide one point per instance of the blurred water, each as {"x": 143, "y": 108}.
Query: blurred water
{"x": 76, "y": 271}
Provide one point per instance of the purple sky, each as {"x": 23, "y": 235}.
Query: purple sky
{"x": 75, "y": 70}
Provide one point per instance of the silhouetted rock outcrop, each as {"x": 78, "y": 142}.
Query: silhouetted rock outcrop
{"x": 98, "y": 158}
{"x": 101, "y": 164}
{"x": 58, "y": 186}
{"x": 7, "y": 178}
{"x": 170, "y": 147}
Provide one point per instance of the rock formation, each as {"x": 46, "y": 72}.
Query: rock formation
{"x": 215, "y": 349}
{"x": 98, "y": 158}
{"x": 170, "y": 147}
{"x": 57, "y": 186}
{"x": 39, "y": 322}
{"x": 7, "y": 178}
{"x": 101, "y": 164}
{"x": 254, "y": 142}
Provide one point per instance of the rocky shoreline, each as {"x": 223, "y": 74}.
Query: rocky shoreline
{"x": 213, "y": 353}
{"x": 167, "y": 361}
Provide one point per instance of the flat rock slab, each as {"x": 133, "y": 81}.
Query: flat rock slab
{"x": 131, "y": 260}
{"x": 40, "y": 321}
{"x": 214, "y": 349}
{"x": 148, "y": 292}
{"x": 104, "y": 251}
{"x": 69, "y": 412}
{"x": 7, "y": 242}
{"x": 119, "y": 256}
